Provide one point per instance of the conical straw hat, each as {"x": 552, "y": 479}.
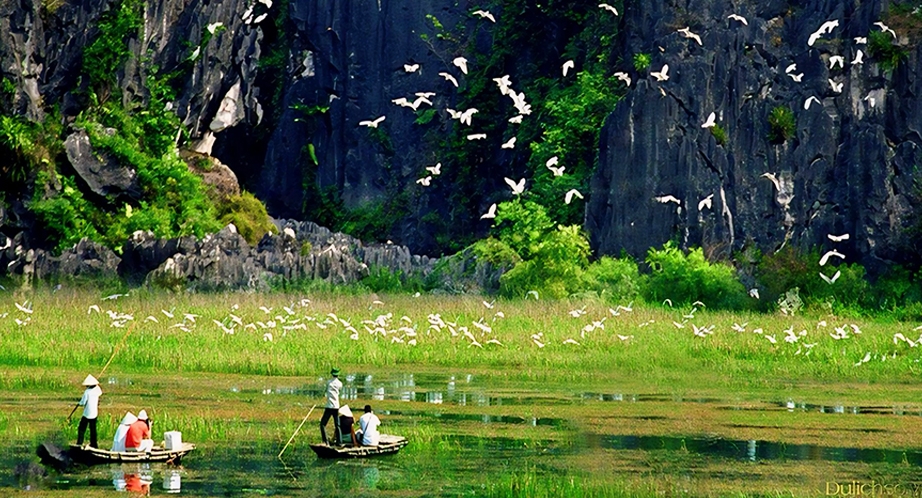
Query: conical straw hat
{"x": 142, "y": 415}
{"x": 129, "y": 419}
{"x": 90, "y": 381}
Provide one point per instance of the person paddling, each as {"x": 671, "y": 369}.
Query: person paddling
{"x": 90, "y": 404}
{"x": 331, "y": 410}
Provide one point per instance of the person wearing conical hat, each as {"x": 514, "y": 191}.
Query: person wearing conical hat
{"x": 90, "y": 404}
{"x": 331, "y": 409}
{"x": 138, "y": 437}
{"x": 118, "y": 442}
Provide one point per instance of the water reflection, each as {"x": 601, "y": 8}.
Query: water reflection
{"x": 136, "y": 481}
{"x": 172, "y": 481}
{"x": 757, "y": 450}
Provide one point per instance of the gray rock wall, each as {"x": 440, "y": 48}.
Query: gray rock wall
{"x": 848, "y": 169}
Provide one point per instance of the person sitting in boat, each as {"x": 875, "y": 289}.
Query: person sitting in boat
{"x": 369, "y": 423}
{"x": 118, "y": 442}
{"x": 138, "y": 436}
{"x": 90, "y": 404}
{"x": 331, "y": 410}
{"x": 347, "y": 425}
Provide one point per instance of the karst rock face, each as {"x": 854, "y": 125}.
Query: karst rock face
{"x": 847, "y": 168}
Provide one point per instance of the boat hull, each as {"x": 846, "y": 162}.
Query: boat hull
{"x": 388, "y": 446}
{"x": 86, "y": 455}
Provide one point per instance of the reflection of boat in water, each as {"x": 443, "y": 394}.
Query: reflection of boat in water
{"x": 85, "y": 455}
{"x": 388, "y": 445}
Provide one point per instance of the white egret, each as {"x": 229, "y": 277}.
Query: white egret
{"x": 461, "y": 63}
{"x": 710, "y": 122}
{"x": 667, "y": 198}
{"x": 448, "y": 77}
{"x": 810, "y": 100}
{"x": 830, "y": 254}
{"x": 372, "y": 123}
{"x": 466, "y": 116}
{"x": 687, "y": 33}
{"x": 425, "y": 182}
{"x": 509, "y": 144}
{"x": 831, "y": 280}
{"x": 435, "y": 170}
{"x": 93, "y": 307}
{"x": 25, "y": 307}
{"x": 836, "y": 87}
{"x": 517, "y": 187}
{"x": 214, "y": 27}
{"x": 516, "y": 119}
{"x": 552, "y": 161}
{"x": 571, "y": 194}
{"x": 886, "y": 29}
{"x": 567, "y": 66}
{"x": 484, "y": 14}
{"x": 623, "y": 77}
{"x": 490, "y": 214}
{"x": 861, "y": 40}
{"x": 605, "y": 6}
{"x": 411, "y": 68}
{"x": 557, "y": 171}
{"x": 662, "y": 74}
{"x": 837, "y": 59}
{"x": 859, "y": 58}
{"x": 477, "y": 136}
{"x": 791, "y": 68}
{"x": 754, "y": 293}
{"x": 838, "y": 238}
{"x": 797, "y": 77}
{"x": 706, "y": 202}
{"x": 739, "y": 18}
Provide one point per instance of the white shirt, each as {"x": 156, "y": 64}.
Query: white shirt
{"x": 90, "y": 402}
{"x": 369, "y": 423}
{"x": 333, "y": 387}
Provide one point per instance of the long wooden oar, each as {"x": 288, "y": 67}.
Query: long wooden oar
{"x": 296, "y": 431}
{"x": 117, "y": 347}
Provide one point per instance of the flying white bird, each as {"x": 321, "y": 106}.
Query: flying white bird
{"x": 797, "y": 77}
{"x": 623, "y": 77}
{"x": 372, "y": 123}
{"x": 477, "y": 136}
{"x": 739, "y": 18}
{"x": 830, "y": 254}
{"x": 831, "y": 280}
{"x": 435, "y": 170}
{"x": 517, "y": 188}
{"x": 773, "y": 179}
{"x": 557, "y": 171}
{"x": 24, "y": 307}
{"x": 790, "y": 69}
{"x": 461, "y": 62}
{"x": 509, "y": 144}
{"x": 809, "y": 100}
{"x": 687, "y": 33}
{"x": 490, "y": 214}
{"x": 448, "y": 77}
{"x": 571, "y": 194}
{"x": 411, "y": 68}
{"x": 214, "y": 27}
{"x": 484, "y": 14}
{"x": 504, "y": 84}
{"x": 567, "y": 66}
{"x": 465, "y": 117}
{"x": 706, "y": 202}
{"x": 668, "y": 198}
{"x": 516, "y": 119}
{"x": 836, "y": 87}
{"x": 711, "y": 121}
{"x": 425, "y": 182}
{"x": 859, "y": 58}
{"x": 825, "y": 28}
{"x": 663, "y": 74}
{"x": 861, "y": 40}
{"x": 754, "y": 293}
{"x": 605, "y": 6}
{"x": 837, "y": 59}
{"x": 838, "y": 238}
{"x": 870, "y": 100}
{"x": 883, "y": 27}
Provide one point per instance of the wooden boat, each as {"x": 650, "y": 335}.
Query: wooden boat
{"x": 388, "y": 445}
{"x": 86, "y": 455}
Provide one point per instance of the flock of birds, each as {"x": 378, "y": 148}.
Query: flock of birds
{"x": 275, "y": 324}
{"x": 661, "y": 76}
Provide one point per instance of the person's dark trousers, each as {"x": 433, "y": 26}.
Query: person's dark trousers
{"x": 81, "y": 429}
{"x": 329, "y": 413}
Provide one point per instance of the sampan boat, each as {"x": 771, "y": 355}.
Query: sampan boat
{"x": 85, "y": 455}
{"x": 388, "y": 445}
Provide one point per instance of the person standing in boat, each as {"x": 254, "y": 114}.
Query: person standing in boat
{"x": 138, "y": 436}
{"x": 369, "y": 423}
{"x": 90, "y": 404}
{"x": 331, "y": 409}
{"x": 121, "y": 434}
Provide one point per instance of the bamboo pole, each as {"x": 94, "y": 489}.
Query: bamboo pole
{"x": 297, "y": 430}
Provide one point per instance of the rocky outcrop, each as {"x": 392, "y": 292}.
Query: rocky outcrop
{"x": 104, "y": 176}
{"x": 848, "y": 168}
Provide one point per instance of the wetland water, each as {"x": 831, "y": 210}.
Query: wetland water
{"x": 468, "y": 433}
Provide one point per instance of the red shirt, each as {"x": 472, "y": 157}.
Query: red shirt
{"x": 136, "y": 432}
